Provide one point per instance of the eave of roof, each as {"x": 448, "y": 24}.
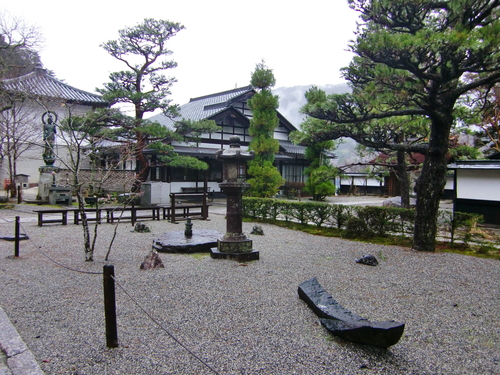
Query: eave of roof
{"x": 40, "y": 83}
{"x": 291, "y": 148}
{"x": 476, "y": 164}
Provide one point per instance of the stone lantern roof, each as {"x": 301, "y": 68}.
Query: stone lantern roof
{"x": 234, "y": 151}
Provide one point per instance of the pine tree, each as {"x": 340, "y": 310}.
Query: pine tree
{"x": 143, "y": 49}
{"x": 412, "y": 60}
{"x": 265, "y": 178}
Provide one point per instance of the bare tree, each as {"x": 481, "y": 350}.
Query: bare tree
{"x": 83, "y": 139}
{"x": 19, "y": 43}
{"x": 18, "y": 55}
{"x": 19, "y": 133}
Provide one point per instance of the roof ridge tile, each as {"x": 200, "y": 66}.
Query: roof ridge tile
{"x": 238, "y": 89}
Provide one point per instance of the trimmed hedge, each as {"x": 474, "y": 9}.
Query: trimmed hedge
{"x": 357, "y": 221}
{"x": 376, "y": 220}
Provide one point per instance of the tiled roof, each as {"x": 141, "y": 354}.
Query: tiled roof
{"x": 290, "y": 148}
{"x": 204, "y": 106}
{"x": 207, "y": 106}
{"x": 42, "y": 84}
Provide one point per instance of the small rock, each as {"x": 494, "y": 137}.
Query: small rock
{"x": 152, "y": 261}
{"x": 257, "y": 229}
{"x": 369, "y": 260}
{"x": 396, "y": 202}
{"x": 141, "y": 228}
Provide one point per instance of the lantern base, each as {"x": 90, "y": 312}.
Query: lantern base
{"x": 240, "y": 257}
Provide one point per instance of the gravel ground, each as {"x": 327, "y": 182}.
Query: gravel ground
{"x": 246, "y": 318}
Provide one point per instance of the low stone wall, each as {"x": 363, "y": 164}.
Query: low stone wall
{"x": 114, "y": 181}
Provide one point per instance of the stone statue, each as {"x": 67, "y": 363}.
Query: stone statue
{"x": 49, "y": 135}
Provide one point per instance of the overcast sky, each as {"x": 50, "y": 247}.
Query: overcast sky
{"x": 304, "y": 42}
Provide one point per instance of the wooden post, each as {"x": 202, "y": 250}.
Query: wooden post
{"x": 133, "y": 214}
{"x": 19, "y": 195}
{"x": 172, "y": 208}
{"x": 110, "y": 306}
{"x": 16, "y": 238}
{"x": 205, "y": 207}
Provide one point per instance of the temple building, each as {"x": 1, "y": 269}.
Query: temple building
{"x": 31, "y": 96}
{"x": 230, "y": 111}
{"x": 42, "y": 93}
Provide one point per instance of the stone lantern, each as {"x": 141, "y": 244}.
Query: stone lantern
{"x": 234, "y": 244}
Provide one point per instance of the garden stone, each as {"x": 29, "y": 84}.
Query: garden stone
{"x": 396, "y": 202}
{"x": 152, "y": 261}
{"x": 344, "y": 323}
{"x": 369, "y": 260}
{"x": 177, "y": 242}
{"x": 257, "y": 229}
{"x": 141, "y": 228}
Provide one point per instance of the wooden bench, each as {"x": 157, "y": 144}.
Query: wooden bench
{"x": 113, "y": 214}
{"x": 184, "y": 211}
{"x": 197, "y": 190}
{"x": 77, "y": 215}
{"x": 62, "y": 220}
{"x": 186, "y": 208}
{"x": 133, "y": 217}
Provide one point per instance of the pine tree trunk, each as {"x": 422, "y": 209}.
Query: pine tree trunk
{"x": 431, "y": 183}
{"x": 142, "y": 164}
{"x": 404, "y": 179}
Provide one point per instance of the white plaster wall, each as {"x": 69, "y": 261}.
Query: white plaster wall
{"x": 359, "y": 181}
{"x": 450, "y": 182}
{"x": 176, "y": 187}
{"x": 281, "y": 136}
{"x": 478, "y": 184}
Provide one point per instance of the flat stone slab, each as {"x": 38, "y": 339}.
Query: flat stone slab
{"x": 20, "y": 360}
{"x": 176, "y": 242}
{"x": 344, "y": 323}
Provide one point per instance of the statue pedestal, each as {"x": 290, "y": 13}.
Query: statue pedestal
{"x": 59, "y": 194}
{"x": 45, "y": 182}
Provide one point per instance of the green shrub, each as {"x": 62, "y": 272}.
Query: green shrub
{"x": 300, "y": 211}
{"x": 292, "y": 190}
{"x": 252, "y": 207}
{"x": 265, "y": 181}
{"x": 356, "y": 228}
{"x": 339, "y": 214}
{"x": 379, "y": 220}
{"x": 319, "y": 184}
{"x": 319, "y": 213}
{"x": 406, "y": 219}
{"x": 461, "y": 224}
{"x": 286, "y": 210}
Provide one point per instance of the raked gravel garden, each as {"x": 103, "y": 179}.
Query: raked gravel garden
{"x": 204, "y": 316}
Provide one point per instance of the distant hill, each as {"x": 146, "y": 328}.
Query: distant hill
{"x": 292, "y": 99}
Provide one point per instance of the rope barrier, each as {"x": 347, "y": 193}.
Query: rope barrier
{"x": 131, "y": 298}
{"x": 163, "y": 328}
{"x": 39, "y": 249}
